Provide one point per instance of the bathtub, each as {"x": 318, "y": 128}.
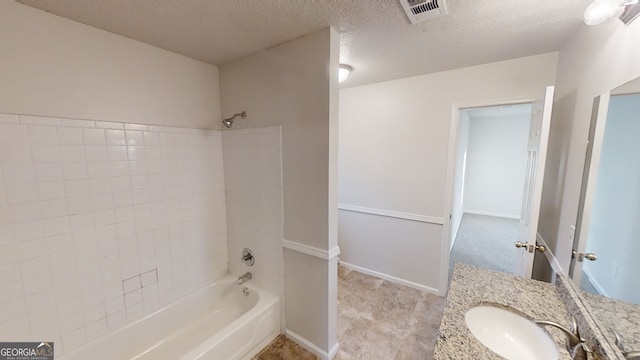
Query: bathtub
{"x": 218, "y": 322}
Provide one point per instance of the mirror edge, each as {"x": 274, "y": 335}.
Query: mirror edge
{"x": 584, "y": 310}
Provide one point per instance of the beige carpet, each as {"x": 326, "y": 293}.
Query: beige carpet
{"x": 486, "y": 242}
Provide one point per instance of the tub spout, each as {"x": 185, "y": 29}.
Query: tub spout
{"x": 244, "y": 278}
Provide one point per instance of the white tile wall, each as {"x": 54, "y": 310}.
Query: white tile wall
{"x": 253, "y": 178}
{"x": 101, "y": 223}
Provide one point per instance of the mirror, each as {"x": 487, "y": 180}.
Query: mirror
{"x": 605, "y": 262}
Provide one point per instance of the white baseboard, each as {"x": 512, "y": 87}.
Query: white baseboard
{"x": 487, "y": 213}
{"x": 594, "y": 282}
{"x": 309, "y": 346}
{"x": 310, "y": 250}
{"x": 391, "y": 278}
{"x": 334, "y": 351}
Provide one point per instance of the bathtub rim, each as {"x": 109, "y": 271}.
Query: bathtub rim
{"x": 265, "y": 299}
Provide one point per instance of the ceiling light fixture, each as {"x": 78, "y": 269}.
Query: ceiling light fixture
{"x": 631, "y": 12}
{"x": 601, "y": 10}
{"x": 343, "y": 72}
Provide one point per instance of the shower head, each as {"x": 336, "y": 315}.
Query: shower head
{"x": 229, "y": 122}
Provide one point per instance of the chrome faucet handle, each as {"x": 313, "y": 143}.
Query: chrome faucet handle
{"x": 619, "y": 341}
{"x": 629, "y": 355}
{"x": 632, "y": 355}
{"x": 573, "y": 339}
{"x": 247, "y": 257}
{"x": 574, "y": 326}
{"x": 576, "y": 344}
{"x": 580, "y": 351}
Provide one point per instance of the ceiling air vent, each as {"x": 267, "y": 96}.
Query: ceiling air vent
{"x": 421, "y": 10}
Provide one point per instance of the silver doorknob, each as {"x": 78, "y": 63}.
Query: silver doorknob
{"x": 540, "y": 248}
{"x": 591, "y": 256}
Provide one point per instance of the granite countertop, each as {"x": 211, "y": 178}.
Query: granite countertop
{"x": 471, "y": 286}
{"x": 619, "y": 316}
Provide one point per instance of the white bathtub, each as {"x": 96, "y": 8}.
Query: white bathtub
{"x": 215, "y": 323}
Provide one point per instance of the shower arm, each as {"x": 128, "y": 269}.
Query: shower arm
{"x": 229, "y": 122}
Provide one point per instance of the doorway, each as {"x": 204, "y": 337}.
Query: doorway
{"x": 489, "y": 183}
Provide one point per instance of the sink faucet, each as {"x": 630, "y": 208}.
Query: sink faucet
{"x": 629, "y": 355}
{"x": 576, "y": 344}
{"x": 632, "y": 355}
{"x": 244, "y": 278}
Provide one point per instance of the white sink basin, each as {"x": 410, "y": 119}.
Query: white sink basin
{"x": 509, "y": 334}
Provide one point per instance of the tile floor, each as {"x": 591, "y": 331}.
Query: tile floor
{"x": 284, "y": 349}
{"x": 377, "y": 320}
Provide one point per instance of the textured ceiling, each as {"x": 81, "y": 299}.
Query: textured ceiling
{"x": 376, "y": 37}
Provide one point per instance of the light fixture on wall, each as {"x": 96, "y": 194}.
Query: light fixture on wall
{"x": 343, "y": 72}
{"x": 601, "y": 10}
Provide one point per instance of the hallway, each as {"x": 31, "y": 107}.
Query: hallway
{"x": 486, "y": 242}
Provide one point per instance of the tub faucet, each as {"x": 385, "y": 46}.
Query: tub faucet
{"x": 244, "y": 278}
{"x": 576, "y": 344}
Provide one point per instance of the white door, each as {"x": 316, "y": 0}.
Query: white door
{"x": 537, "y": 149}
{"x": 589, "y": 177}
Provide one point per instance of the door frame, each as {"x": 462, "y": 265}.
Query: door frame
{"x": 454, "y": 125}
{"x": 590, "y": 171}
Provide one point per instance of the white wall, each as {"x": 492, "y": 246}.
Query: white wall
{"x": 52, "y": 66}
{"x": 102, "y": 223}
{"x": 460, "y": 172}
{"x": 102, "y": 219}
{"x": 616, "y": 210}
{"x": 294, "y": 85}
{"x": 496, "y": 165}
{"x": 388, "y": 246}
{"x": 595, "y": 60}
{"x": 253, "y": 179}
{"x": 394, "y": 141}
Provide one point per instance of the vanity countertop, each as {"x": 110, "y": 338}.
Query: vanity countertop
{"x": 471, "y": 286}
{"x": 621, "y": 316}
